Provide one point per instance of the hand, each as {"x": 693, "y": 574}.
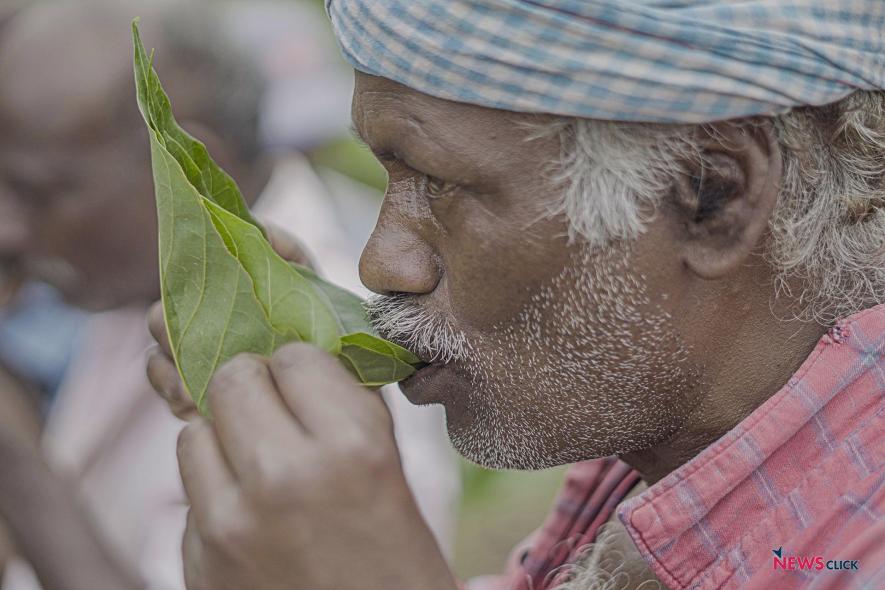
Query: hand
{"x": 161, "y": 370}
{"x": 287, "y": 246}
{"x": 296, "y": 484}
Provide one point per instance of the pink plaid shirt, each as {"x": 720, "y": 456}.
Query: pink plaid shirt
{"x": 790, "y": 498}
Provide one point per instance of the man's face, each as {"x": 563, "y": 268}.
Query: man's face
{"x": 545, "y": 351}
{"x": 74, "y": 169}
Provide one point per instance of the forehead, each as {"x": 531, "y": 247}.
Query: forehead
{"x": 58, "y": 75}
{"x": 388, "y": 114}
{"x": 377, "y": 98}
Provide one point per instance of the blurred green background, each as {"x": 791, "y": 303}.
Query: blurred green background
{"x": 498, "y": 509}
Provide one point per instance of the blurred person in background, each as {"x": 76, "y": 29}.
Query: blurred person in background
{"x": 79, "y": 187}
{"x": 19, "y": 402}
{"x": 78, "y": 191}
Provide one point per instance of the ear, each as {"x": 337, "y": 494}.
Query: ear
{"x": 723, "y": 203}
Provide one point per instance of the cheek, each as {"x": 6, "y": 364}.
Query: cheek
{"x": 590, "y": 363}
{"x": 493, "y": 264}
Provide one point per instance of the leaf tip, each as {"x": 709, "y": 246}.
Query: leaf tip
{"x": 136, "y": 36}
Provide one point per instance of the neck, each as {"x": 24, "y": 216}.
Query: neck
{"x": 740, "y": 373}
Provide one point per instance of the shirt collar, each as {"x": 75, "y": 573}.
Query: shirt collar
{"x": 696, "y": 526}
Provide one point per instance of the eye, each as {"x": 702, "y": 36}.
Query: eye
{"x": 438, "y": 188}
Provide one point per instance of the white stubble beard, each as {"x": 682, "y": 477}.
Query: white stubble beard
{"x": 603, "y": 390}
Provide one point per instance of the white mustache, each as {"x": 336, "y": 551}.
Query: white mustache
{"x": 433, "y": 338}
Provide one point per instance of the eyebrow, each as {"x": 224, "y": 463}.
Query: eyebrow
{"x": 400, "y": 153}
{"x": 361, "y": 139}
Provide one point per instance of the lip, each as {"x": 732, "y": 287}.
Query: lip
{"x": 421, "y": 387}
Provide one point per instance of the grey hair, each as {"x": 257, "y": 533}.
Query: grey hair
{"x": 602, "y": 565}
{"x": 431, "y": 336}
{"x": 827, "y": 232}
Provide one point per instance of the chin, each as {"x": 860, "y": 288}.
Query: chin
{"x": 480, "y": 432}
{"x": 488, "y": 426}
{"x": 495, "y": 447}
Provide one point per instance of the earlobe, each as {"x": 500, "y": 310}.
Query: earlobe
{"x": 725, "y": 201}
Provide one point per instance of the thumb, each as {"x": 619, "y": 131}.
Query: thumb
{"x": 287, "y": 246}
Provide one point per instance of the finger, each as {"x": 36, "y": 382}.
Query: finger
{"x": 251, "y": 419}
{"x": 164, "y": 378}
{"x": 287, "y": 246}
{"x": 319, "y": 391}
{"x": 157, "y": 327}
{"x": 205, "y": 473}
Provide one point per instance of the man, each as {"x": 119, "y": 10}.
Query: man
{"x": 77, "y": 190}
{"x": 653, "y": 230}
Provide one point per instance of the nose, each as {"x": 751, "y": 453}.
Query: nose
{"x": 397, "y": 259}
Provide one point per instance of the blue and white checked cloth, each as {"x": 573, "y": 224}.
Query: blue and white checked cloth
{"x": 668, "y": 61}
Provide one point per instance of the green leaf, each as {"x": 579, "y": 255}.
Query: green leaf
{"x": 224, "y": 289}
{"x": 374, "y": 361}
{"x": 209, "y": 302}
{"x": 204, "y": 174}
{"x": 293, "y": 308}
{"x": 350, "y": 315}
